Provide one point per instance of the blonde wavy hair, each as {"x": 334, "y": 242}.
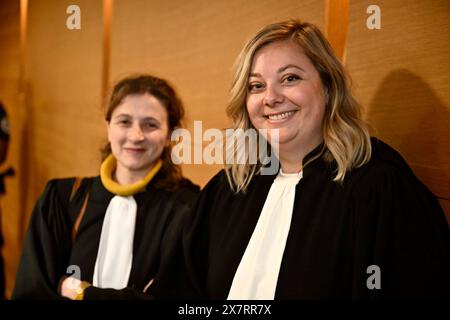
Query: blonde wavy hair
{"x": 345, "y": 135}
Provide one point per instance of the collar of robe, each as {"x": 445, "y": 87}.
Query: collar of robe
{"x": 106, "y": 170}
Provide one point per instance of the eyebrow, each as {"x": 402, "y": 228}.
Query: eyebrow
{"x": 125, "y": 115}
{"x": 290, "y": 66}
{"x": 279, "y": 70}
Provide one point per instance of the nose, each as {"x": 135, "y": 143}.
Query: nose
{"x": 272, "y": 96}
{"x": 136, "y": 134}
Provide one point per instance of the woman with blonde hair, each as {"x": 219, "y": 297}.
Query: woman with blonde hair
{"x": 343, "y": 217}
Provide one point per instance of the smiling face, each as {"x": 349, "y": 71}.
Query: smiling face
{"x": 138, "y": 132}
{"x": 285, "y": 92}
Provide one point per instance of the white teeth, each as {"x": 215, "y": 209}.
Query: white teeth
{"x": 280, "y": 116}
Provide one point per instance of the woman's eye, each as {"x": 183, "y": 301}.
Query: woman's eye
{"x": 254, "y": 86}
{"x": 150, "y": 125}
{"x": 124, "y": 122}
{"x": 291, "y": 78}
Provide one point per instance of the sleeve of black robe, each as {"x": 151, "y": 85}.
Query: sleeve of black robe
{"x": 400, "y": 228}
{"x": 184, "y": 273}
{"x": 47, "y": 245}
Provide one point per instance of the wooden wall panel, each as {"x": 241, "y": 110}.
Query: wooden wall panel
{"x": 193, "y": 44}
{"x": 63, "y": 73}
{"x": 336, "y": 25}
{"x": 9, "y": 94}
{"x": 401, "y": 76}
{"x": 56, "y": 121}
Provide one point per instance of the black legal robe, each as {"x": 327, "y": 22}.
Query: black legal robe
{"x": 380, "y": 215}
{"x": 49, "y": 250}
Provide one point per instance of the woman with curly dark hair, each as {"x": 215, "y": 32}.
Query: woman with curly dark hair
{"x": 114, "y": 230}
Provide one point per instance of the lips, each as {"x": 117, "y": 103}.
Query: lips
{"x": 280, "y": 116}
{"x": 134, "y": 150}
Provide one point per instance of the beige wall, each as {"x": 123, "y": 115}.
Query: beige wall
{"x": 400, "y": 74}
{"x": 193, "y": 44}
{"x": 57, "y": 128}
{"x": 402, "y": 77}
{"x": 63, "y": 78}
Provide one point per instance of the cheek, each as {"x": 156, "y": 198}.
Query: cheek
{"x": 317, "y": 115}
{"x": 253, "y": 108}
{"x": 159, "y": 141}
{"x": 313, "y": 101}
{"x": 115, "y": 137}
{"x": 319, "y": 95}
{"x": 319, "y": 107}
{"x": 301, "y": 98}
{"x": 111, "y": 136}
{"x": 114, "y": 143}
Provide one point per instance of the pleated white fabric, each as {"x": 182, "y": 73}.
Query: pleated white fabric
{"x": 115, "y": 252}
{"x": 257, "y": 274}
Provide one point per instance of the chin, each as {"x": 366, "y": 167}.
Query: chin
{"x": 284, "y": 137}
{"x": 133, "y": 166}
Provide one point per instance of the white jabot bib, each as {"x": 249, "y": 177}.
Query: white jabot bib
{"x": 115, "y": 251}
{"x": 257, "y": 274}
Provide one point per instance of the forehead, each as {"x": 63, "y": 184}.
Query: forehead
{"x": 142, "y": 105}
{"x": 279, "y": 54}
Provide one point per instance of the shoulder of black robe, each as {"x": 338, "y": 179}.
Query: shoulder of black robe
{"x": 187, "y": 263}
{"x": 400, "y": 228}
{"x": 47, "y": 244}
{"x": 182, "y": 200}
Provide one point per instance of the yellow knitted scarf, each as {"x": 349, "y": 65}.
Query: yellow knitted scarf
{"x": 106, "y": 170}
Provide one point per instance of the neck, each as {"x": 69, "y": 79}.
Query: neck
{"x": 125, "y": 183}
{"x": 292, "y": 162}
{"x": 126, "y": 177}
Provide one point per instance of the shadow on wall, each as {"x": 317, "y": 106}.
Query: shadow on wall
{"x": 408, "y": 114}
